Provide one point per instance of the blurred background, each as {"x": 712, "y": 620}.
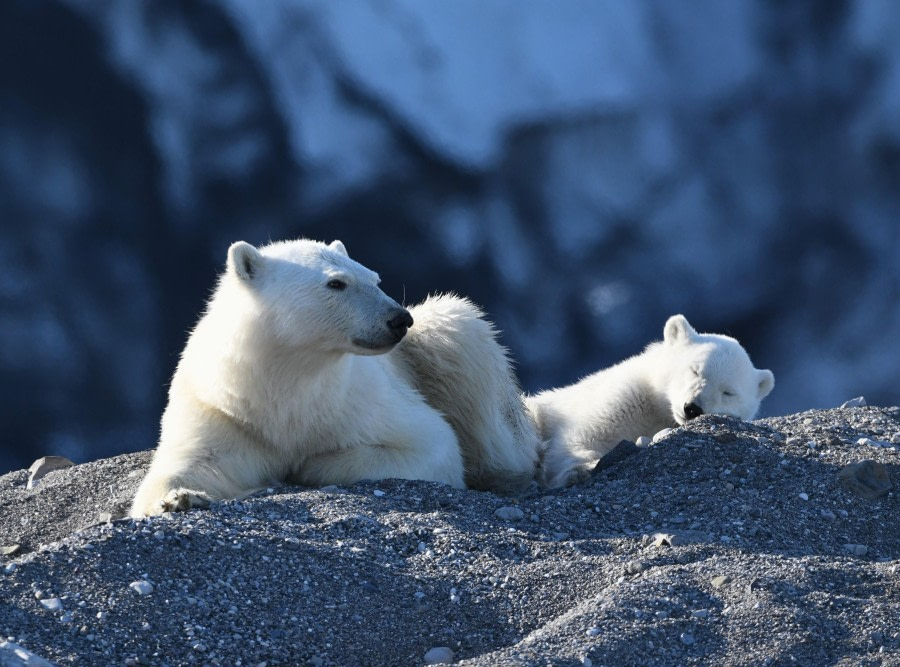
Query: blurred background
{"x": 581, "y": 168}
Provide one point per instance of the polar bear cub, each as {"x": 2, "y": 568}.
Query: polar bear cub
{"x": 290, "y": 376}
{"x": 670, "y": 383}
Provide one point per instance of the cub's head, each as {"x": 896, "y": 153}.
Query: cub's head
{"x": 311, "y": 294}
{"x": 711, "y": 374}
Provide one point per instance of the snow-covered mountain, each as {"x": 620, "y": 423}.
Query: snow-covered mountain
{"x": 583, "y": 169}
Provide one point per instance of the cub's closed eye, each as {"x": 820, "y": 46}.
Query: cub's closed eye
{"x": 728, "y": 393}
{"x": 336, "y": 284}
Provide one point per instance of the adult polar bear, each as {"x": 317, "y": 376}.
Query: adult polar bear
{"x": 671, "y": 382}
{"x": 290, "y": 376}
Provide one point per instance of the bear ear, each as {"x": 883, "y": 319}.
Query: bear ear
{"x": 338, "y": 247}
{"x": 766, "y": 382}
{"x": 244, "y": 260}
{"x": 678, "y": 330}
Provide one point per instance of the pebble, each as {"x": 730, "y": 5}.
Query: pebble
{"x": 378, "y": 493}
{"x": 644, "y": 441}
{"x": 634, "y": 567}
{"x": 721, "y": 580}
{"x": 857, "y": 549}
{"x": 509, "y": 514}
{"x": 828, "y": 514}
{"x": 10, "y": 549}
{"x": 687, "y": 638}
{"x": 142, "y": 587}
{"x": 593, "y": 631}
{"x": 659, "y": 435}
{"x": 895, "y": 439}
{"x": 804, "y": 496}
{"x": 700, "y": 613}
{"x": 439, "y": 655}
{"x": 52, "y": 604}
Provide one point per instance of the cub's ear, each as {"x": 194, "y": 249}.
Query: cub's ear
{"x": 766, "y": 382}
{"x": 338, "y": 247}
{"x": 244, "y": 260}
{"x": 678, "y": 330}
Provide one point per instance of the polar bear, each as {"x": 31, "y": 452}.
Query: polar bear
{"x": 671, "y": 382}
{"x": 289, "y": 376}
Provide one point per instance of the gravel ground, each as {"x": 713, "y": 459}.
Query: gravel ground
{"x": 723, "y": 543}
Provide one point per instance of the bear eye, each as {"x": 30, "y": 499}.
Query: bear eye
{"x": 336, "y": 284}
{"x": 728, "y": 393}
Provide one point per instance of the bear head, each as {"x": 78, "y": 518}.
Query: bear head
{"x": 309, "y": 294}
{"x": 710, "y": 374}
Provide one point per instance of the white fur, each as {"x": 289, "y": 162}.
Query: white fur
{"x": 644, "y": 394}
{"x": 461, "y": 369}
{"x": 286, "y": 378}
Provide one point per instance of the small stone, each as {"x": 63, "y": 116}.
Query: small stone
{"x": 141, "y": 587}
{"x": 105, "y": 517}
{"x": 700, "y": 613}
{"x": 857, "y": 549}
{"x": 10, "y": 568}
{"x": 634, "y": 567}
{"x": 858, "y": 402}
{"x": 439, "y": 655}
{"x": 509, "y": 514}
{"x": 804, "y": 496}
{"x": 687, "y": 638}
{"x": 644, "y": 441}
{"x": 593, "y": 631}
{"x": 867, "y": 478}
{"x": 828, "y": 514}
{"x": 675, "y": 538}
{"x": 659, "y": 435}
{"x": 378, "y": 493}
{"x": 721, "y": 580}
{"x": 834, "y": 441}
{"x": 52, "y": 604}
{"x": 10, "y": 549}
{"x": 332, "y": 488}
{"x": 44, "y": 465}
{"x": 586, "y": 662}
{"x": 200, "y": 647}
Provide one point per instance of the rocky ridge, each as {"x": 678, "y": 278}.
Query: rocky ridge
{"x": 723, "y": 542}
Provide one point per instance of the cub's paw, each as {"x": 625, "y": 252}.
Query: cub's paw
{"x": 181, "y": 500}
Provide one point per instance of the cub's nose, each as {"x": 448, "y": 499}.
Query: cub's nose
{"x": 400, "y": 322}
{"x": 692, "y": 410}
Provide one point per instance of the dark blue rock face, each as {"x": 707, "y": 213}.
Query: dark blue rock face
{"x": 582, "y": 170}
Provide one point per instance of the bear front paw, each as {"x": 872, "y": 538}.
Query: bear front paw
{"x": 181, "y": 500}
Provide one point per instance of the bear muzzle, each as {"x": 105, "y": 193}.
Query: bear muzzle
{"x": 692, "y": 411}
{"x": 399, "y": 324}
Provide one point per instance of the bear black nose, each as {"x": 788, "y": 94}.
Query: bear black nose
{"x": 400, "y": 322}
{"x": 692, "y": 410}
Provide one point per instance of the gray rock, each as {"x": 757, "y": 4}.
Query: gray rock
{"x": 678, "y": 537}
{"x": 661, "y": 435}
{"x": 52, "y": 604}
{"x": 720, "y": 581}
{"x": 14, "y": 655}
{"x": 857, "y": 549}
{"x": 858, "y": 402}
{"x": 868, "y": 479}
{"x": 10, "y": 549}
{"x": 44, "y": 465}
{"x": 439, "y": 655}
{"x": 509, "y": 514}
{"x": 141, "y": 587}
{"x": 687, "y": 638}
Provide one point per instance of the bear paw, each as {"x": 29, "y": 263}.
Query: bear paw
{"x": 181, "y": 500}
